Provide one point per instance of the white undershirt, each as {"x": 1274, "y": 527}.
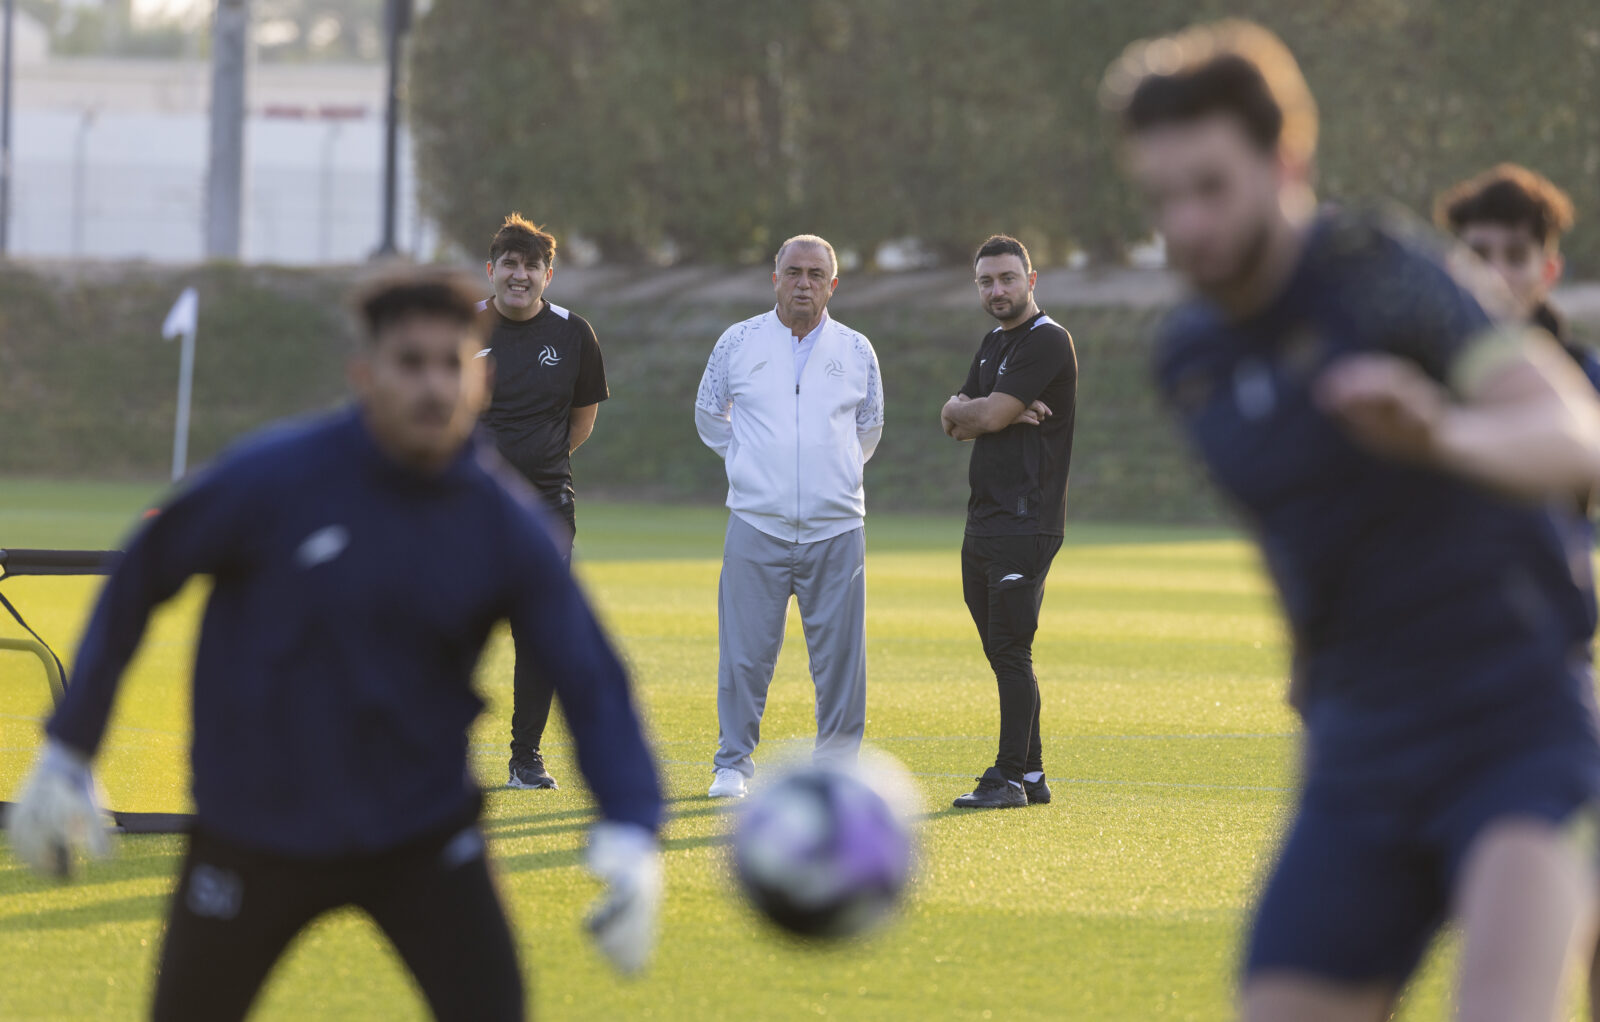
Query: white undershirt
{"x": 803, "y": 346}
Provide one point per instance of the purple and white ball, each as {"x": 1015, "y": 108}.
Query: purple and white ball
{"x": 822, "y": 851}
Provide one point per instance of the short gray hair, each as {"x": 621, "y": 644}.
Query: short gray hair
{"x": 807, "y": 239}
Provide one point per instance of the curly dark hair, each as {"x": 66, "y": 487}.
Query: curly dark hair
{"x": 1511, "y": 195}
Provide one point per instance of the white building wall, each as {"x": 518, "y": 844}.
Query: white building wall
{"x": 110, "y": 163}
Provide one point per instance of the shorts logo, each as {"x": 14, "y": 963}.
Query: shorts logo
{"x": 214, "y": 893}
{"x": 322, "y": 546}
{"x": 548, "y": 356}
{"x": 758, "y": 367}
{"x": 1013, "y": 577}
{"x": 834, "y": 368}
{"x": 462, "y": 849}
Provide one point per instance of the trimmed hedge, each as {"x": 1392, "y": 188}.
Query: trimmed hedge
{"x": 87, "y": 387}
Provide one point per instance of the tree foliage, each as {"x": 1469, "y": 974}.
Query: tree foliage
{"x": 709, "y": 131}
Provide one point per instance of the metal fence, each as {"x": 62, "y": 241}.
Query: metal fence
{"x": 131, "y": 186}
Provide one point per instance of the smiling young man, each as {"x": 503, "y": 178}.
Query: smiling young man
{"x": 1403, "y": 464}
{"x": 792, "y": 401}
{"x": 358, "y": 562}
{"x": 549, "y": 380}
{"x": 1018, "y": 406}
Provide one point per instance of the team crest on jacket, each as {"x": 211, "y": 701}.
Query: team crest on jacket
{"x": 548, "y": 356}
{"x": 835, "y": 368}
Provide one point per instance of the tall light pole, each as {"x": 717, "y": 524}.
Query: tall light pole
{"x": 397, "y": 22}
{"x": 225, "y": 167}
{"x": 5, "y": 124}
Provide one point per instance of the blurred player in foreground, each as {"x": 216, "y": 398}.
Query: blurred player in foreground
{"x": 549, "y": 380}
{"x": 1018, "y": 406}
{"x": 358, "y": 562}
{"x": 1401, "y": 463}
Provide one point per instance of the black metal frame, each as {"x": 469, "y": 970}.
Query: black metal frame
{"x": 14, "y": 563}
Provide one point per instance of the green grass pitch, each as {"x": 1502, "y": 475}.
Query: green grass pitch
{"x": 1167, "y": 742}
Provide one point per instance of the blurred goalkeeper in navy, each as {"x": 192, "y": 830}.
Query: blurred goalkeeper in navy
{"x": 1408, "y": 470}
{"x": 358, "y": 562}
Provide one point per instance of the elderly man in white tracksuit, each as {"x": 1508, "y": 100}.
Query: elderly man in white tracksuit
{"x": 793, "y": 403}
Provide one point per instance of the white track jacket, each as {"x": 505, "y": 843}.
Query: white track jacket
{"x": 794, "y": 452}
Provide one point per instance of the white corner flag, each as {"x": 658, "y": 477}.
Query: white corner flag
{"x": 182, "y": 321}
{"x": 185, "y": 315}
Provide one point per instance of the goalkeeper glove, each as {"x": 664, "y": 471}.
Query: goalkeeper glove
{"x": 627, "y": 859}
{"x": 57, "y": 813}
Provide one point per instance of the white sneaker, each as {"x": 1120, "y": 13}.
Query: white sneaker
{"x": 728, "y": 784}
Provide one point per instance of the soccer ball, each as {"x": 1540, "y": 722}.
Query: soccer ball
{"x": 826, "y": 851}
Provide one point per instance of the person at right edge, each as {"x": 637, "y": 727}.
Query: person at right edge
{"x": 1017, "y": 406}
{"x": 1513, "y": 219}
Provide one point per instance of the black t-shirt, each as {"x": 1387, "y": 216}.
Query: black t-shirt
{"x": 1019, "y": 475}
{"x": 544, "y": 367}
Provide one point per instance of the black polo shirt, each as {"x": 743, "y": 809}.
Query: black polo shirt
{"x": 1019, "y": 474}
{"x": 544, "y": 367}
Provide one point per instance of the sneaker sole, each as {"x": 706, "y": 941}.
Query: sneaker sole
{"x": 524, "y": 786}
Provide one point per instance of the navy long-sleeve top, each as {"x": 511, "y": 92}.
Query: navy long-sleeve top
{"x": 351, "y": 599}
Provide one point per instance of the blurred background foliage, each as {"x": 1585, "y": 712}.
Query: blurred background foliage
{"x": 709, "y": 131}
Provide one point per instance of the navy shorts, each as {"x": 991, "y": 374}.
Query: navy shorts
{"x": 1365, "y": 879}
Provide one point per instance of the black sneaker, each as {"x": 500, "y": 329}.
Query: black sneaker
{"x": 993, "y": 792}
{"x": 529, "y": 772}
{"x": 1038, "y": 792}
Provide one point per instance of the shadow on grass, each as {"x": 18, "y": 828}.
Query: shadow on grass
{"x": 128, "y": 862}
{"x": 136, "y": 909}
{"x": 557, "y": 858}
{"x": 936, "y": 814}
{"x": 535, "y": 826}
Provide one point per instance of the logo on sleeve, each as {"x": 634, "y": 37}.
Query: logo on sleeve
{"x": 548, "y": 356}
{"x": 1004, "y": 365}
{"x": 322, "y": 546}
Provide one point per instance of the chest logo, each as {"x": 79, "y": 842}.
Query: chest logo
{"x": 322, "y": 546}
{"x": 548, "y": 356}
{"x": 834, "y": 368}
{"x": 1253, "y": 390}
